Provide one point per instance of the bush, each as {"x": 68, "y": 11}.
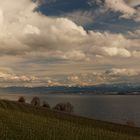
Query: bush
{"x": 35, "y": 101}
{"x": 45, "y": 104}
{"x": 21, "y": 99}
{"x": 65, "y": 107}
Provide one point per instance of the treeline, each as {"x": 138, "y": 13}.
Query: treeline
{"x": 64, "y": 107}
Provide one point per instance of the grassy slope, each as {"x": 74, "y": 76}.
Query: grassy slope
{"x": 24, "y": 122}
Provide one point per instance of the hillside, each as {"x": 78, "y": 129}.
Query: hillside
{"x": 24, "y": 122}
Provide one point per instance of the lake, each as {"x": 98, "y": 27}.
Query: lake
{"x": 112, "y": 108}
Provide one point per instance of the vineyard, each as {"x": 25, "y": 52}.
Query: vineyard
{"x": 24, "y": 122}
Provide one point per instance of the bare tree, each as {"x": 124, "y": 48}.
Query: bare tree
{"x": 21, "y": 99}
{"x": 35, "y": 101}
{"x": 45, "y": 104}
{"x": 65, "y": 107}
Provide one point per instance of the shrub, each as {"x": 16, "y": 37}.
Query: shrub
{"x": 21, "y": 99}
{"x": 35, "y": 101}
{"x": 45, "y": 104}
{"x": 65, "y": 107}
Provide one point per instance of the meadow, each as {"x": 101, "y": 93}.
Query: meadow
{"x": 19, "y": 121}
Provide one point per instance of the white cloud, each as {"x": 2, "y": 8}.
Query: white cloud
{"x": 136, "y": 54}
{"x": 35, "y": 32}
{"x": 117, "y": 52}
{"x": 1, "y": 17}
{"x": 120, "y": 6}
{"x": 75, "y": 55}
{"x": 135, "y": 34}
{"x": 10, "y": 77}
{"x": 125, "y": 7}
{"x": 133, "y": 2}
{"x": 114, "y": 75}
{"x": 122, "y": 72}
{"x": 29, "y": 37}
{"x": 29, "y": 29}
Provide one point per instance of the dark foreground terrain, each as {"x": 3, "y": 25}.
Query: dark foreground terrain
{"x": 24, "y": 122}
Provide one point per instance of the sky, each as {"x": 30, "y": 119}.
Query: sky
{"x": 69, "y": 42}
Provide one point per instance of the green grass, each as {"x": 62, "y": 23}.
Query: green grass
{"x": 24, "y": 122}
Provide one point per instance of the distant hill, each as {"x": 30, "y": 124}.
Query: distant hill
{"x": 25, "y": 122}
{"x": 122, "y": 88}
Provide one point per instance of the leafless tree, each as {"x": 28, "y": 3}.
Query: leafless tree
{"x": 35, "y": 101}
{"x": 64, "y": 107}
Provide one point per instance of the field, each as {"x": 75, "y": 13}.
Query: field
{"x": 24, "y": 122}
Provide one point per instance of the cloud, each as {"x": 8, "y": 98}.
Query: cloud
{"x": 136, "y": 54}
{"x": 34, "y": 32}
{"x": 133, "y": 2}
{"x": 135, "y": 34}
{"x": 29, "y": 29}
{"x": 127, "y": 8}
{"x": 114, "y": 75}
{"x": 10, "y": 77}
{"x": 120, "y": 6}
{"x": 117, "y": 52}
{"x": 122, "y": 72}
{"x": 80, "y": 17}
{"x": 75, "y": 55}
{"x": 30, "y": 41}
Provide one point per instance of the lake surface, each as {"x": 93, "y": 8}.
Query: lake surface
{"x": 112, "y": 108}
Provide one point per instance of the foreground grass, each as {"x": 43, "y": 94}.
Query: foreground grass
{"x": 24, "y": 122}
